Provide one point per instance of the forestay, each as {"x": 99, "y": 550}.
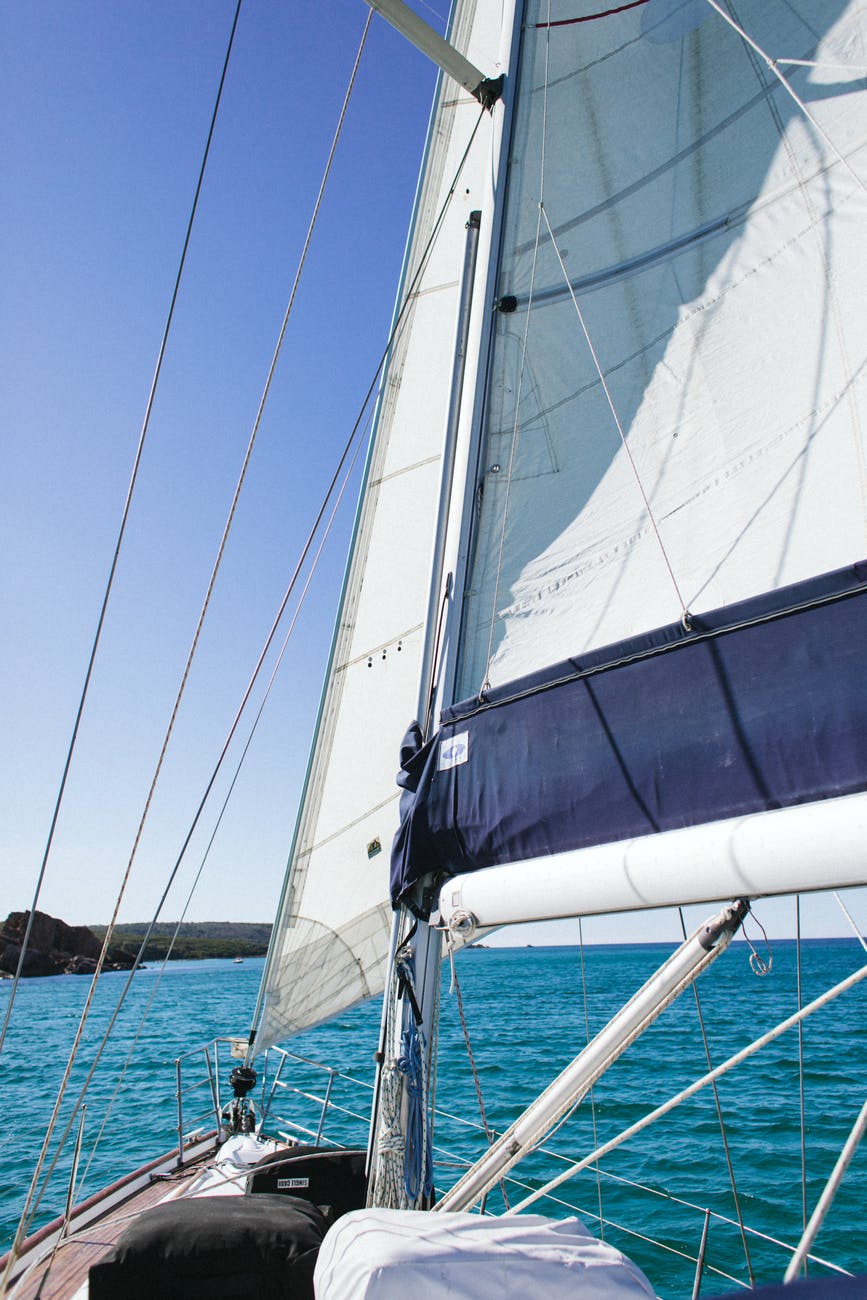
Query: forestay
{"x": 331, "y": 937}
{"x": 664, "y": 599}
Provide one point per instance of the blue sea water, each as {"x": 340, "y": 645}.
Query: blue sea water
{"x": 527, "y": 1015}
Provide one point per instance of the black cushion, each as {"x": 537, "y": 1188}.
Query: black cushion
{"x": 215, "y": 1248}
{"x": 327, "y": 1176}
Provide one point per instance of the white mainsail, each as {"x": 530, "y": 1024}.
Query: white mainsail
{"x": 331, "y": 937}
{"x": 711, "y": 232}
{"x": 674, "y": 425}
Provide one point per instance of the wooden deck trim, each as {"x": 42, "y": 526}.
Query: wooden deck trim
{"x": 97, "y": 1208}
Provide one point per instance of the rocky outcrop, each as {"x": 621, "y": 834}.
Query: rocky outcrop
{"x": 54, "y": 948}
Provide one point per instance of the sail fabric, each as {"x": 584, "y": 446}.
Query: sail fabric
{"x": 331, "y": 938}
{"x": 673, "y": 449}
{"x": 711, "y": 233}
{"x": 756, "y": 707}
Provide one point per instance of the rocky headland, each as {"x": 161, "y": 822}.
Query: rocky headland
{"x": 55, "y": 948}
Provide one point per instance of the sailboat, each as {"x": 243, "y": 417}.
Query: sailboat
{"x": 606, "y": 580}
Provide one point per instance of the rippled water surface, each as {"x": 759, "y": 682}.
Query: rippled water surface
{"x": 527, "y": 1016}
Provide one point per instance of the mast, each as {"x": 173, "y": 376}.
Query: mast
{"x": 411, "y": 1004}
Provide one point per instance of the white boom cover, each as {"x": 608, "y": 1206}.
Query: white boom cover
{"x": 712, "y": 232}
{"x": 392, "y": 1254}
{"x": 332, "y": 931}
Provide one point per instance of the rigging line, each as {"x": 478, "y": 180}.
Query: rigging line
{"x": 825, "y": 66}
{"x": 28, "y": 1212}
{"x": 456, "y": 984}
{"x": 520, "y": 386}
{"x": 689, "y": 1205}
{"x": 244, "y": 467}
{"x": 721, "y": 1121}
{"x": 592, "y": 1095}
{"x": 311, "y": 573}
{"x": 591, "y": 18}
{"x": 816, "y": 1005}
{"x": 684, "y": 611}
{"x": 801, "y": 1108}
{"x": 121, "y": 533}
{"x": 772, "y": 64}
{"x": 829, "y": 1192}
{"x": 217, "y": 563}
{"x": 848, "y": 915}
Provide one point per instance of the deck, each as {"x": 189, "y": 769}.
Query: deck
{"x": 53, "y": 1266}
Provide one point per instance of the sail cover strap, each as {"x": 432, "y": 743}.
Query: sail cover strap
{"x": 761, "y": 705}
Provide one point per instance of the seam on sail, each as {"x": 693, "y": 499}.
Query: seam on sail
{"x": 431, "y": 289}
{"x": 406, "y": 469}
{"x": 377, "y": 649}
{"x": 728, "y": 471}
{"x": 635, "y": 187}
{"x": 335, "y": 835}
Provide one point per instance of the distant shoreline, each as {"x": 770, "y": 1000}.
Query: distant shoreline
{"x": 196, "y": 940}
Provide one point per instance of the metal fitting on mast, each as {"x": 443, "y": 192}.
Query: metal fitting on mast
{"x": 487, "y": 90}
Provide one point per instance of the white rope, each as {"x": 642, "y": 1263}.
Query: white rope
{"x": 386, "y": 1185}
{"x": 100, "y": 622}
{"x": 29, "y": 1209}
{"x": 592, "y": 1094}
{"x": 693, "y": 1088}
{"x": 390, "y": 1148}
{"x": 823, "y": 66}
{"x": 824, "y": 1202}
{"x": 197, "y": 878}
{"x": 684, "y": 612}
{"x": 772, "y": 64}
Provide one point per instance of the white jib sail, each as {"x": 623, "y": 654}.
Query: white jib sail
{"x": 332, "y": 932}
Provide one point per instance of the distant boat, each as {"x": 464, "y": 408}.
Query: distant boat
{"x": 239, "y": 961}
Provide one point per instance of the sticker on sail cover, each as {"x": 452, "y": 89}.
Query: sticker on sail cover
{"x": 292, "y": 1184}
{"x": 454, "y": 751}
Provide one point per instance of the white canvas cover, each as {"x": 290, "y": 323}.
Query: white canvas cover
{"x": 392, "y": 1254}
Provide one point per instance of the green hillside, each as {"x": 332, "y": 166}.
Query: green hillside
{"x": 196, "y": 939}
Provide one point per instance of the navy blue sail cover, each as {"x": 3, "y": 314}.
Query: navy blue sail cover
{"x": 758, "y": 706}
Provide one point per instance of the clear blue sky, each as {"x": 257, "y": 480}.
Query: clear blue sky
{"x": 104, "y": 110}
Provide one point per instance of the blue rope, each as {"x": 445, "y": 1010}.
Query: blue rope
{"x": 418, "y": 1155}
{"x": 417, "y": 1161}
